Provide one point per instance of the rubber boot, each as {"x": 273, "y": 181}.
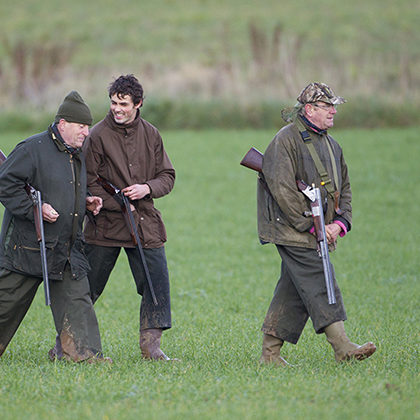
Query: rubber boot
{"x": 56, "y": 353}
{"x": 343, "y": 348}
{"x": 150, "y": 344}
{"x": 271, "y": 351}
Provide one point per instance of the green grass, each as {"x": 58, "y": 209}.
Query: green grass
{"x": 222, "y": 281}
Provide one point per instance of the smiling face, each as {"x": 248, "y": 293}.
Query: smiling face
{"x": 123, "y": 109}
{"x": 320, "y": 114}
{"x": 73, "y": 134}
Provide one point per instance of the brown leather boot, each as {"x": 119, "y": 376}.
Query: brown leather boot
{"x": 56, "y": 353}
{"x": 343, "y": 348}
{"x": 150, "y": 344}
{"x": 271, "y": 351}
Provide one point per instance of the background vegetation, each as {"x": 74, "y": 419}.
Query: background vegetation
{"x": 222, "y": 281}
{"x": 211, "y": 63}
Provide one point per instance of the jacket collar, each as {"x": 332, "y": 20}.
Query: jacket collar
{"x": 122, "y": 128}
{"x": 312, "y": 127}
{"x": 59, "y": 142}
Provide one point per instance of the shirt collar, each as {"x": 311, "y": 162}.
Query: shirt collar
{"x": 313, "y": 127}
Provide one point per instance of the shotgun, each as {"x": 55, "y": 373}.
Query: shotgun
{"x": 124, "y": 203}
{"x": 254, "y": 160}
{"x": 314, "y": 195}
{"x": 35, "y": 196}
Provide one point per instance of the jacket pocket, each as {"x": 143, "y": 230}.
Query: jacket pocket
{"x": 78, "y": 260}
{"x": 114, "y": 227}
{"x": 24, "y": 252}
{"x": 151, "y": 228}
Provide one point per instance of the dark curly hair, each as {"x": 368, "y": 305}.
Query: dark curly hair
{"x": 127, "y": 85}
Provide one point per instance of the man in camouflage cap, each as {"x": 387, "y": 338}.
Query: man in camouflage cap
{"x": 303, "y": 150}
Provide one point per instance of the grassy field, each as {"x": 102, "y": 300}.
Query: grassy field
{"x": 222, "y": 281}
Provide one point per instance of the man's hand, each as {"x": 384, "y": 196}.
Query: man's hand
{"x": 136, "y": 191}
{"x": 332, "y": 231}
{"x": 48, "y": 213}
{"x": 94, "y": 204}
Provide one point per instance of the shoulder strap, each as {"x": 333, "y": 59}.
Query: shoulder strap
{"x": 325, "y": 179}
{"x": 333, "y": 163}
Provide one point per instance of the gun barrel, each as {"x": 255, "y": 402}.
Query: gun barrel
{"x": 323, "y": 246}
{"x": 123, "y": 201}
{"x": 136, "y": 240}
{"x": 41, "y": 240}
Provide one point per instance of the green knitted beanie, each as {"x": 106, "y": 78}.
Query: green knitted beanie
{"x": 74, "y": 109}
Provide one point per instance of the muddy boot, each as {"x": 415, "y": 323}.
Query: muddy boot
{"x": 56, "y": 353}
{"x": 271, "y": 351}
{"x": 343, "y": 348}
{"x": 150, "y": 344}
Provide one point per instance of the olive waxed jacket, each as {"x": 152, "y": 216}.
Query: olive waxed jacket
{"x": 60, "y": 176}
{"x": 281, "y": 220}
{"x": 126, "y": 155}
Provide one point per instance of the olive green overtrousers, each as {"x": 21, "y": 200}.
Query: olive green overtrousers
{"x": 72, "y": 309}
{"x": 301, "y": 293}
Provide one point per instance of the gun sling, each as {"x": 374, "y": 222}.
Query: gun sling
{"x": 326, "y": 181}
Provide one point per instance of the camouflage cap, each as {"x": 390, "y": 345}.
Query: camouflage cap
{"x": 318, "y": 91}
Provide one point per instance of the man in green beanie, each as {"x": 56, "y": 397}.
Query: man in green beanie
{"x": 52, "y": 163}
{"x": 303, "y": 150}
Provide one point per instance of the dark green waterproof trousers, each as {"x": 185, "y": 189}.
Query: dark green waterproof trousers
{"x": 72, "y": 309}
{"x": 301, "y": 293}
{"x": 102, "y": 260}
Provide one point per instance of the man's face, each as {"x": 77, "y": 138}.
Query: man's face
{"x": 321, "y": 114}
{"x": 73, "y": 134}
{"x": 123, "y": 109}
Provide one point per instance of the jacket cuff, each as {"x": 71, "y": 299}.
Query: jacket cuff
{"x": 343, "y": 227}
{"x": 150, "y": 188}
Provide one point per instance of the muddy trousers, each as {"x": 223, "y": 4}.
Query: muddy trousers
{"x": 102, "y": 260}
{"x": 71, "y": 306}
{"x": 301, "y": 293}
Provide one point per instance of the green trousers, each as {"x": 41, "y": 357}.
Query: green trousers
{"x": 301, "y": 293}
{"x": 102, "y": 260}
{"x": 71, "y": 306}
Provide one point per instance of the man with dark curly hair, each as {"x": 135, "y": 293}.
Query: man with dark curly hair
{"x": 128, "y": 151}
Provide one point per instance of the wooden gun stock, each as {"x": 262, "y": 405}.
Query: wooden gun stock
{"x": 253, "y": 160}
